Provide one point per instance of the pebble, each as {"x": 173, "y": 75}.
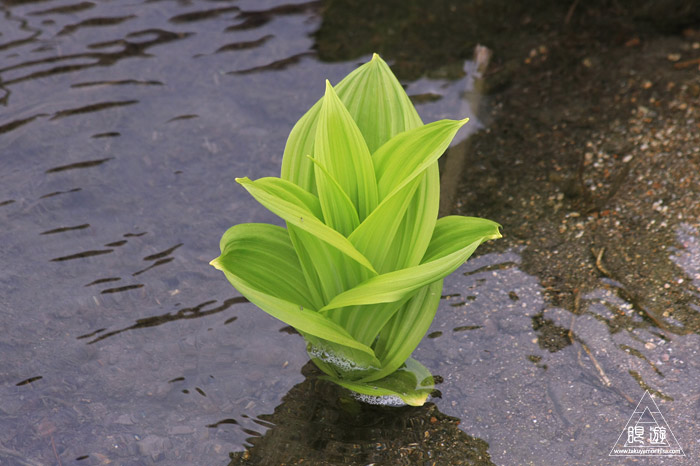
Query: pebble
{"x": 154, "y": 446}
{"x": 124, "y": 419}
{"x": 181, "y": 430}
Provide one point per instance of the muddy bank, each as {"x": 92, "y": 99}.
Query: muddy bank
{"x": 592, "y": 161}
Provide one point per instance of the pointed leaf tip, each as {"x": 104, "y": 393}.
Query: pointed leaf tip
{"x": 463, "y": 121}
{"x": 216, "y": 263}
{"x": 375, "y": 56}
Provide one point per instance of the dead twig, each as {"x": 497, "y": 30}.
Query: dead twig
{"x": 599, "y": 368}
{"x": 624, "y": 395}
{"x": 577, "y": 306}
{"x": 642, "y": 310}
{"x": 603, "y": 377}
{"x": 627, "y": 296}
{"x": 577, "y": 302}
{"x": 601, "y": 373}
{"x": 570, "y": 13}
{"x": 599, "y": 262}
{"x": 53, "y": 444}
{"x": 571, "y": 328}
{"x": 686, "y": 63}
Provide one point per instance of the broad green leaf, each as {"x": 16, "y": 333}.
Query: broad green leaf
{"x": 326, "y": 269}
{"x": 454, "y": 231}
{"x": 446, "y": 252}
{"x": 416, "y": 229}
{"x": 256, "y": 259}
{"x": 338, "y": 210}
{"x": 296, "y": 167}
{"x": 285, "y": 190}
{"x": 406, "y": 329}
{"x": 410, "y": 153}
{"x": 376, "y": 234}
{"x": 378, "y": 104}
{"x": 303, "y": 319}
{"x": 381, "y": 108}
{"x": 264, "y": 256}
{"x": 412, "y": 383}
{"x": 364, "y": 326}
{"x": 395, "y": 285}
{"x": 317, "y": 259}
{"x": 320, "y": 261}
{"x": 282, "y": 202}
{"x": 341, "y": 149}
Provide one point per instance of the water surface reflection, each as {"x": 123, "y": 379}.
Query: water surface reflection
{"x": 318, "y": 423}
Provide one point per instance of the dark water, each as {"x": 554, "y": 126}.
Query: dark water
{"x": 122, "y": 127}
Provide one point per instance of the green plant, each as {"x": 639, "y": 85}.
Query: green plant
{"x": 358, "y": 271}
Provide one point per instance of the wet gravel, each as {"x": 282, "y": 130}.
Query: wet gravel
{"x": 592, "y": 161}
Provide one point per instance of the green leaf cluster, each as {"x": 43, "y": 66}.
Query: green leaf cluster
{"x": 358, "y": 271}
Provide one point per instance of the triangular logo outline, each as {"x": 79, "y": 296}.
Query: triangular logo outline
{"x": 646, "y": 433}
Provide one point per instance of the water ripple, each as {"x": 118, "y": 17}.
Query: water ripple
{"x": 63, "y": 229}
{"x": 82, "y": 255}
{"x": 94, "y": 22}
{"x": 64, "y": 9}
{"x": 92, "y": 108}
{"x": 78, "y": 165}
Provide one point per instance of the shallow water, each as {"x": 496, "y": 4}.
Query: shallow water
{"x": 121, "y": 130}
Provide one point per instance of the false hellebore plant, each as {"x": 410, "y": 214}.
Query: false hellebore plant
{"x": 358, "y": 271}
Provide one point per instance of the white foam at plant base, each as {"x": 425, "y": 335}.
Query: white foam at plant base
{"x": 388, "y": 400}
{"x": 344, "y": 364}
